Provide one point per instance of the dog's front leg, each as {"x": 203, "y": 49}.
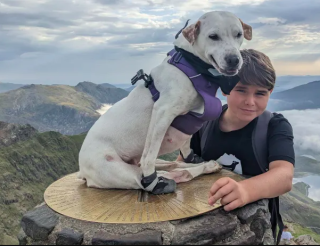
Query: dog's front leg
{"x": 162, "y": 116}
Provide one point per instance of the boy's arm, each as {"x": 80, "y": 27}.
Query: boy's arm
{"x": 277, "y": 181}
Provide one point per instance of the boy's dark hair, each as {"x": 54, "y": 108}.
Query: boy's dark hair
{"x": 257, "y": 69}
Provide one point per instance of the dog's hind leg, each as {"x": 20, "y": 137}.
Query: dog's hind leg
{"x": 113, "y": 173}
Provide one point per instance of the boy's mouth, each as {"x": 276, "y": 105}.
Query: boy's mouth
{"x": 248, "y": 110}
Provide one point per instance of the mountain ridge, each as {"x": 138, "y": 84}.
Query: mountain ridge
{"x": 298, "y": 98}
{"x": 62, "y": 108}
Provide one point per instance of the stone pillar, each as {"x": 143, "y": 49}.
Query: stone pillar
{"x": 249, "y": 225}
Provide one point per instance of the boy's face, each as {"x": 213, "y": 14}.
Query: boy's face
{"x": 247, "y": 102}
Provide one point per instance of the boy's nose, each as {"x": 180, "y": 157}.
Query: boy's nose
{"x": 250, "y": 100}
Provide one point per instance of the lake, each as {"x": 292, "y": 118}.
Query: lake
{"x": 314, "y": 182}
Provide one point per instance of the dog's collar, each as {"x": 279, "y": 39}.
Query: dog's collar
{"x": 226, "y": 83}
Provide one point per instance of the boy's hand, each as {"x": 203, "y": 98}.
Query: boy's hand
{"x": 233, "y": 195}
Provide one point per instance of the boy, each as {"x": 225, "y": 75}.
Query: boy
{"x": 229, "y": 140}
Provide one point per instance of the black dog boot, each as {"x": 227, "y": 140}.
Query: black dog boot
{"x": 158, "y": 185}
{"x": 192, "y": 158}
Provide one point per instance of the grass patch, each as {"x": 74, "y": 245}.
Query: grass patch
{"x": 298, "y": 230}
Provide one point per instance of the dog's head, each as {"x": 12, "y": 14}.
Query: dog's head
{"x": 216, "y": 38}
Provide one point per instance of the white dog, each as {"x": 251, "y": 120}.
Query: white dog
{"x": 121, "y": 149}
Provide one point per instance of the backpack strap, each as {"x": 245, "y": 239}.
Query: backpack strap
{"x": 204, "y": 131}
{"x": 204, "y": 134}
{"x": 260, "y": 140}
{"x": 260, "y": 149}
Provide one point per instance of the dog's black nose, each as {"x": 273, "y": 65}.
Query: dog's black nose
{"x": 232, "y": 61}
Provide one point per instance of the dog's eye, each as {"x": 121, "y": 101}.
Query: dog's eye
{"x": 214, "y": 37}
{"x": 239, "y": 35}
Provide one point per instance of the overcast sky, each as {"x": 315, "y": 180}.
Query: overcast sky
{"x": 68, "y": 41}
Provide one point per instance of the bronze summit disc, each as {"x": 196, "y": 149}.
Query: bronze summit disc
{"x": 70, "y": 196}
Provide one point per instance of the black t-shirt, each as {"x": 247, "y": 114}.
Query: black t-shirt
{"x": 238, "y": 145}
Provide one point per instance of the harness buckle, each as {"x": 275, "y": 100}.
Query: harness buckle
{"x": 141, "y": 75}
{"x": 177, "y": 57}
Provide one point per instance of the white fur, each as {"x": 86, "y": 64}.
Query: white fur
{"x": 136, "y": 130}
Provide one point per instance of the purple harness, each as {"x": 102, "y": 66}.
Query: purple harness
{"x": 191, "y": 122}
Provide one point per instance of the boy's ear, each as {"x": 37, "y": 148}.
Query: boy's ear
{"x": 225, "y": 95}
{"x": 271, "y": 91}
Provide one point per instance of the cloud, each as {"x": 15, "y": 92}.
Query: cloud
{"x": 306, "y": 128}
{"x": 314, "y": 194}
{"x": 37, "y": 33}
{"x": 33, "y": 20}
{"x": 104, "y": 108}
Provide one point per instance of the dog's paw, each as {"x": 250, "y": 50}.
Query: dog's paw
{"x": 158, "y": 185}
{"x": 212, "y": 167}
{"x": 164, "y": 186}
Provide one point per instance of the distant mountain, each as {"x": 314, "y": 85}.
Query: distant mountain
{"x": 298, "y": 208}
{"x": 104, "y": 93}
{"x": 301, "y": 97}
{"x": 106, "y": 85}
{"x": 65, "y": 109}
{"x": 122, "y": 86}
{"x": 130, "y": 88}
{"x": 288, "y": 82}
{"x": 29, "y": 162}
{"x": 4, "y": 87}
{"x": 305, "y": 164}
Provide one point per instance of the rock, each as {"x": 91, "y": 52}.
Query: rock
{"x": 209, "y": 228}
{"x": 144, "y": 238}
{"x": 268, "y": 238}
{"x": 287, "y": 242}
{"x": 12, "y": 133}
{"x": 248, "y": 238}
{"x": 260, "y": 225}
{"x": 305, "y": 240}
{"x": 216, "y": 227}
{"x": 69, "y": 237}
{"x": 247, "y": 214}
{"x": 39, "y": 223}
{"x": 22, "y": 237}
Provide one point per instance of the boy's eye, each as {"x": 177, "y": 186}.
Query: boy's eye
{"x": 241, "y": 90}
{"x": 260, "y": 94}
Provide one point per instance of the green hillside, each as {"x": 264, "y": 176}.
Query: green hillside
{"x": 27, "y": 168}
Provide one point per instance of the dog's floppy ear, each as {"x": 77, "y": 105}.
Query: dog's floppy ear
{"x": 191, "y": 32}
{"x": 247, "y": 30}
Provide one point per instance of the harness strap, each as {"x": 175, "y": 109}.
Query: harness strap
{"x": 276, "y": 219}
{"x": 177, "y": 35}
{"x": 260, "y": 140}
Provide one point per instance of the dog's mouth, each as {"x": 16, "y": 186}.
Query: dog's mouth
{"x": 227, "y": 72}
{"x": 230, "y": 72}
{"x": 215, "y": 64}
